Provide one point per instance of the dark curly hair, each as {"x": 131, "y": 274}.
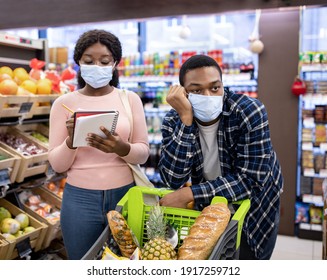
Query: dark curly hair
{"x": 106, "y": 38}
{"x": 197, "y": 61}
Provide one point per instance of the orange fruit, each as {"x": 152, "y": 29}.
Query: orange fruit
{"x": 6, "y": 70}
{"x": 8, "y": 87}
{"x": 5, "y": 76}
{"x": 29, "y": 85}
{"x": 20, "y": 75}
{"x": 44, "y": 86}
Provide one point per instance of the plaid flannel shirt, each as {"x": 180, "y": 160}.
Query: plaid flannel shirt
{"x": 249, "y": 165}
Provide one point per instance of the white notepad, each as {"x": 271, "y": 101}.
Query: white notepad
{"x": 90, "y": 122}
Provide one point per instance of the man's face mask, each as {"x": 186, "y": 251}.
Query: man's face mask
{"x": 96, "y": 76}
{"x": 206, "y": 108}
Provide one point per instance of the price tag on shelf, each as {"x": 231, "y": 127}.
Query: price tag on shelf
{"x": 323, "y": 147}
{"x": 307, "y": 146}
{"x": 309, "y": 172}
{"x": 308, "y": 122}
{"x": 304, "y": 226}
{"x": 316, "y": 227}
{"x": 323, "y": 173}
{"x": 307, "y": 198}
{"x": 25, "y": 107}
{"x": 317, "y": 199}
{"x": 4, "y": 177}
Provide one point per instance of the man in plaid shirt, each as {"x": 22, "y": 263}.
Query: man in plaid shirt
{"x": 221, "y": 142}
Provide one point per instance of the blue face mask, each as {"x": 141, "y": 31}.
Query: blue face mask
{"x": 96, "y": 76}
{"x": 206, "y": 108}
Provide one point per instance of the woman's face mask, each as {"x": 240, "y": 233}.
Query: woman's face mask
{"x": 96, "y": 76}
{"x": 206, "y": 108}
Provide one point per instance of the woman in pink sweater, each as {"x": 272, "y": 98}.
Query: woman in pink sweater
{"x": 97, "y": 175}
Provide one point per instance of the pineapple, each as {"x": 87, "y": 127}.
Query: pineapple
{"x": 157, "y": 248}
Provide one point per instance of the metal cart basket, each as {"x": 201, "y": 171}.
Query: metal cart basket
{"x": 135, "y": 207}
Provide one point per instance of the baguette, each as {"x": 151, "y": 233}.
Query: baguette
{"x": 205, "y": 232}
{"x": 121, "y": 233}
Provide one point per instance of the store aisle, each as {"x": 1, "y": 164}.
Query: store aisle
{"x": 294, "y": 248}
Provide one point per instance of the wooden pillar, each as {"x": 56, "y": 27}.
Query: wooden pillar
{"x": 278, "y": 65}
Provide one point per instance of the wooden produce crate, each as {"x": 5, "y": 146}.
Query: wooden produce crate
{"x": 16, "y": 106}
{"x": 36, "y": 237}
{"x": 28, "y": 129}
{"x": 12, "y": 163}
{"x": 54, "y": 228}
{"x": 42, "y": 103}
{"x": 30, "y": 164}
{"x": 4, "y": 247}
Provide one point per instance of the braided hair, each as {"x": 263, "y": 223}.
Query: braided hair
{"x": 103, "y": 37}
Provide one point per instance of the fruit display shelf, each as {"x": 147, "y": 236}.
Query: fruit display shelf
{"x": 36, "y": 132}
{"x": 32, "y": 163}
{"x": 42, "y": 103}
{"x": 26, "y": 106}
{"x": 34, "y": 238}
{"x": 50, "y": 201}
{"x": 16, "y": 106}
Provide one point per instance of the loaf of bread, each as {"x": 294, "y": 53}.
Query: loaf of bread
{"x": 121, "y": 233}
{"x": 205, "y": 232}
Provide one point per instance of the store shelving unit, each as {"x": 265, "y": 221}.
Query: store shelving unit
{"x": 312, "y": 147}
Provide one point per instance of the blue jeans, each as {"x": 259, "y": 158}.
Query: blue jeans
{"x": 247, "y": 254}
{"x": 84, "y": 216}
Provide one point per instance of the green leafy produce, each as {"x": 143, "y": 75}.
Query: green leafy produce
{"x": 40, "y": 137}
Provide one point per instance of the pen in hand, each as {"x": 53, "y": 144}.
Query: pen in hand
{"x": 67, "y": 108}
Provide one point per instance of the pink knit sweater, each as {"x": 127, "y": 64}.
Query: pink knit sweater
{"x": 88, "y": 167}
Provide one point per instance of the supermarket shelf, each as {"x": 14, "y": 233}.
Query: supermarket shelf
{"x": 16, "y": 41}
{"x": 228, "y": 79}
{"x": 314, "y": 68}
{"x": 314, "y": 199}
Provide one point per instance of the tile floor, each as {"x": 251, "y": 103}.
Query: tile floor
{"x": 294, "y": 248}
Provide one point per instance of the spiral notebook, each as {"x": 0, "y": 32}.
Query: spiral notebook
{"x": 90, "y": 122}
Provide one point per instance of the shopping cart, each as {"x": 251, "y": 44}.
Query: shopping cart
{"x": 135, "y": 207}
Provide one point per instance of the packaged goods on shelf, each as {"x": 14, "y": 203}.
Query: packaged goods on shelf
{"x": 55, "y": 187}
{"x": 36, "y": 236}
{"x": 34, "y": 156}
{"x": 307, "y": 159}
{"x": 44, "y": 207}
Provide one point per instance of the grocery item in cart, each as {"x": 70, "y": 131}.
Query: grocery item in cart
{"x": 205, "y": 232}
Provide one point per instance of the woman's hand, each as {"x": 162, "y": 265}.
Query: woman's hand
{"x": 70, "y": 129}
{"x": 111, "y": 144}
{"x": 177, "y": 98}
